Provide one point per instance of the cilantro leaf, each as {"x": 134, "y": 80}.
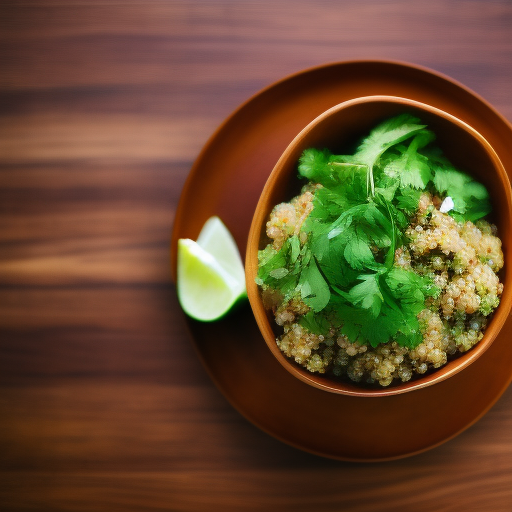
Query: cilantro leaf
{"x": 332, "y": 265}
{"x": 269, "y": 260}
{"x": 357, "y": 252}
{"x": 316, "y": 324}
{"x": 407, "y": 287}
{"x": 384, "y": 306}
{"x": 313, "y": 165}
{"x": 314, "y": 289}
{"x": 279, "y": 273}
{"x": 408, "y": 199}
{"x": 359, "y": 327}
{"x": 381, "y": 138}
{"x": 470, "y": 198}
{"x": 276, "y": 270}
{"x": 367, "y": 294}
{"x": 385, "y": 135}
{"x": 383, "y": 330}
{"x": 409, "y": 166}
{"x": 294, "y": 248}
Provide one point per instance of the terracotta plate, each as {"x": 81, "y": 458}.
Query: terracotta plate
{"x": 227, "y": 179}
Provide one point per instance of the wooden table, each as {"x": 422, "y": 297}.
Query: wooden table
{"x": 104, "y": 404}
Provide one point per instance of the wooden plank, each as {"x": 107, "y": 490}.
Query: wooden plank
{"x": 104, "y": 106}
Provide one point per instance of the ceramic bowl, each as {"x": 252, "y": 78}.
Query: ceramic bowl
{"x": 342, "y": 126}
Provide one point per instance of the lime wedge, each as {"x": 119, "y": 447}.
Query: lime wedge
{"x": 210, "y": 282}
{"x": 216, "y": 239}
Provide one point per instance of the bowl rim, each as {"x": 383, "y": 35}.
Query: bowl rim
{"x": 251, "y": 263}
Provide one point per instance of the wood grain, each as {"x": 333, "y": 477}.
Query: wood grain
{"x": 104, "y": 106}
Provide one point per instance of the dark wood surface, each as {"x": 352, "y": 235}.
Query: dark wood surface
{"x": 104, "y": 404}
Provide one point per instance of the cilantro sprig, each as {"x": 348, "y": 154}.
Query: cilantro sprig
{"x": 345, "y": 271}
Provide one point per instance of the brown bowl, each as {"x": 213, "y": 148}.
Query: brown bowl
{"x": 344, "y": 124}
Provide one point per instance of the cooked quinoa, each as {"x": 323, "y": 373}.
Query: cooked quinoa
{"x": 384, "y": 266}
{"x": 463, "y": 260}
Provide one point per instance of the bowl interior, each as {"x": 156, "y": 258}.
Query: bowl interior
{"x": 340, "y": 129}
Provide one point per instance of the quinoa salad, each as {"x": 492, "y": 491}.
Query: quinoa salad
{"x": 385, "y": 266}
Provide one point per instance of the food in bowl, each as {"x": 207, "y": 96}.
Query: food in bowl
{"x": 385, "y": 266}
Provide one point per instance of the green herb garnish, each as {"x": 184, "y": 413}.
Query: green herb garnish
{"x": 345, "y": 271}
